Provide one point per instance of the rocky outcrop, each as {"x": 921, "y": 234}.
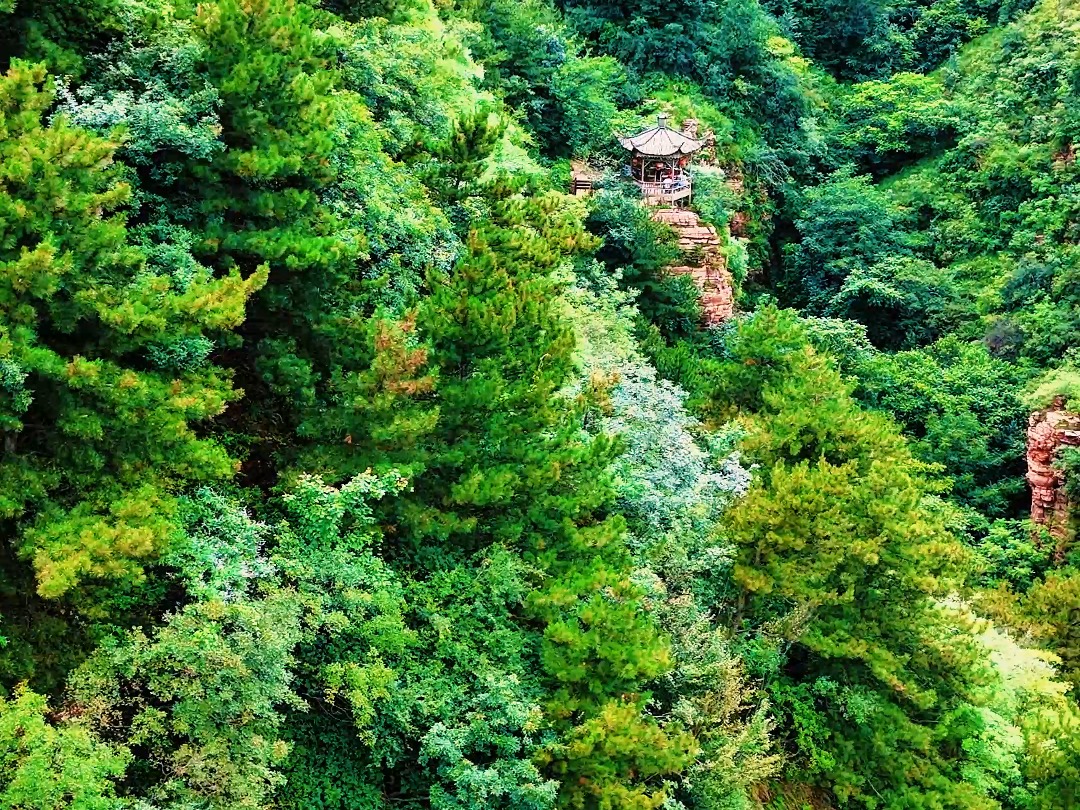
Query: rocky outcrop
{"x": 705, "y": 263}
{"x": 1048, "y": 432}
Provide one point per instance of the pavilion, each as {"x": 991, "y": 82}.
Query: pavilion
{"x": 659, "y": 159}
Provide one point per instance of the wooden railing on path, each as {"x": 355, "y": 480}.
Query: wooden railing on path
{"x": 665, "y": 192}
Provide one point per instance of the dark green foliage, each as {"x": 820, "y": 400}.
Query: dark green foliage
{"x": 530, "y": 56}
{"x": 586, "y": 90}
{"x": 732, "y": 50}
{"x": 961, "y": 407}
{"x": 458, "y": 163}
{"x": 847, "y": 227}
{"x": 58, "y": 32}
{"x": 360, "y": 9}
{"x": 1013, "y": 555}
{"x": 995, "y": 211}
{"x": 871, "y": 39}
{"x": 200, "y": 699}
{"x": 854, "y": 40}
{"x": 659, "y": 37}
{"x": 523, "y": 46}
{"x": 853, "y": 259}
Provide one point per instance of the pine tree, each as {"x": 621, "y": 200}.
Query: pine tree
{"x": 258, "y": 201}
{"x": 462, "y": 393}
{"x": 507, "y": 462}
{"x": 59, "y": 33}
{"x": 881, "y": 680}
{"x": 303, "y": 187}
{"x": 1051, "y": 611}
{"x": 97, "y": 415}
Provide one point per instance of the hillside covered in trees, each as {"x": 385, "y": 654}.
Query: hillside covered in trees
{"x": 350, "y": 463}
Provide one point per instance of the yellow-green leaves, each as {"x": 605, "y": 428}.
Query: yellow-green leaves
{"x": 46, "y": 765}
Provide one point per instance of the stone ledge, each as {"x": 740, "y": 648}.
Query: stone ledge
{"x": 710, "y": 276}
{"x": 1048, "y": 433}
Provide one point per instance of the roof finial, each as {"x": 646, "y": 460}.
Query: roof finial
{"x": 663, "y": 118}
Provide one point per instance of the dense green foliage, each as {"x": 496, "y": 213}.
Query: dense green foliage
{"x": 349, "y": 464}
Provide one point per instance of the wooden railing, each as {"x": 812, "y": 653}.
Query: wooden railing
{"x": 665, "y": 192}
{"x": 581, "y": 185}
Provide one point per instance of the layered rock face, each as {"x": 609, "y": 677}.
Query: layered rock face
{"x": 1048, "y": 432}
{"x": 705, "y": 263}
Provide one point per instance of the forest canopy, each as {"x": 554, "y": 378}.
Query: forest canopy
{"x": 351, "y": 461}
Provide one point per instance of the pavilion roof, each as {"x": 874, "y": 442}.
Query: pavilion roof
{"x": 661, "y": 141}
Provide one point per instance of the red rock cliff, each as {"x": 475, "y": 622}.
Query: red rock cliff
{"x": 1048, "y": 432}
{"x": 709, "y": 269}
